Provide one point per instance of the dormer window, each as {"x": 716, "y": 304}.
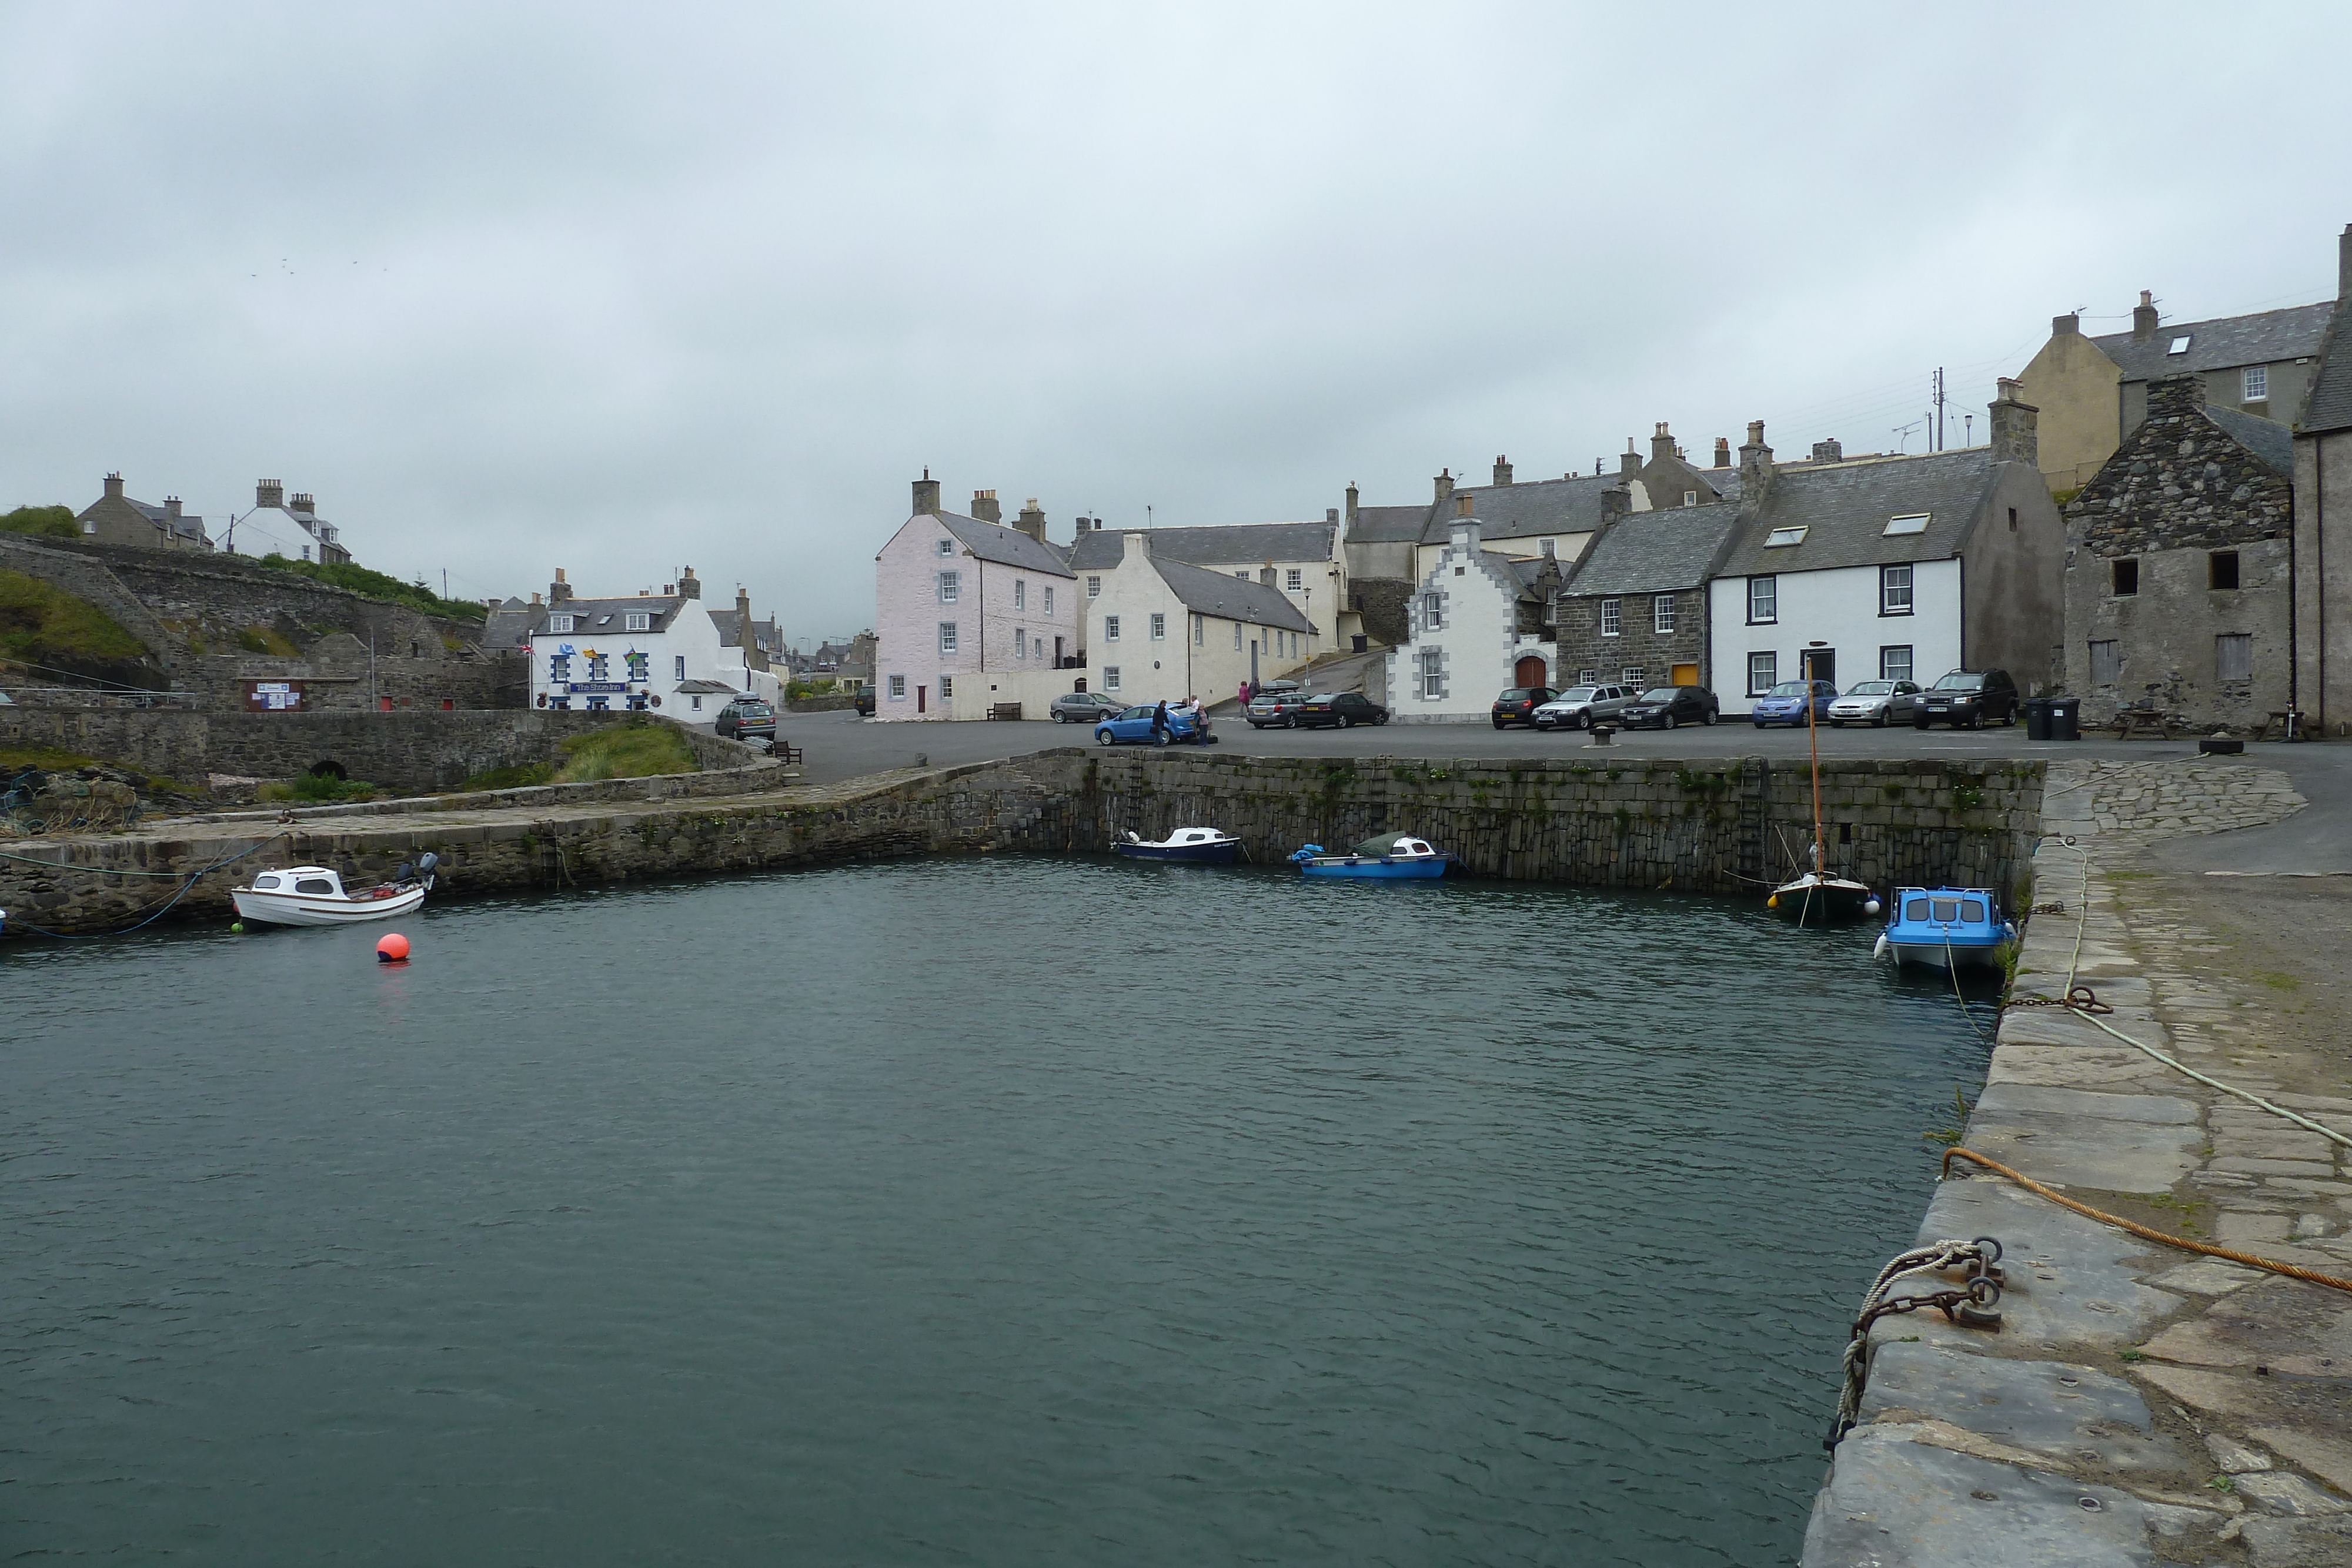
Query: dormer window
{"x": 640, "y": 621}
{"x": 2179, "y": 345}
{"x": 1909, "y": 523}
{"x": 1780, "y": 539}
{"x": 559, "y": 622}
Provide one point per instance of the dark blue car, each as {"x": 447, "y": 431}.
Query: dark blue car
{"x": 1132, "y": 727}
{"x": 1785, "y": 704}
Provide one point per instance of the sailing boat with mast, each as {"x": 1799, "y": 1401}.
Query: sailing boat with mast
{"x": 1814, "y": 897}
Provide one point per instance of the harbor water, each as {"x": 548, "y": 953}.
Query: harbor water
{"x": 1015, "y": 1211}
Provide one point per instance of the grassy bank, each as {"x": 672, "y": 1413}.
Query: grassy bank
{"x": 629, "y": 750}
{"x": 370, "y": 584}
{"x": 36, "y": 618}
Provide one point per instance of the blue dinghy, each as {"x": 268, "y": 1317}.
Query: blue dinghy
{"x": 1948, "y": 928}
{"x": 1389, "y": 857}
{"x": 1197, "y": 846}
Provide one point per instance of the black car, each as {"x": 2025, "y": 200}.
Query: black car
{"x": 747, "y": 718}
{"x": 1346, "y": 709}
{"x": 1083, "y": 707}
{"x": 866, "y": 703}
{"x": 1518, "y": 704}
{"x": 1664, "y": 707}
{"x": 1970, "y": 698}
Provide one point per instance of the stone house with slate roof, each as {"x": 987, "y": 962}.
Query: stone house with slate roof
{"x": 2321, "y": 628}
{"x": 1161, "y": 629}
{"x": 2177, "y": 566}
{"x": 957, "y": 598}
{"x": 646, "y": 650}
{"x": 1635, "y": 608}
{"x": 1306, "y": 562}
{"x": 1891, "y": 568}
{"x": 114, "y": 519}
{"x": 2093, "y": 392}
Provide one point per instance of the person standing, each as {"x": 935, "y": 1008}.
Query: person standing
{"x": 1159, "y": 722}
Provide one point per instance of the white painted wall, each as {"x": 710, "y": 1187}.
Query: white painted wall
{"x": 994, "y": 603}
{"x": 691, "y": 635}
{"x": 1478, "y": 638}
{"x": 1183, "y": 660}
{"x": 1838, "y": 607}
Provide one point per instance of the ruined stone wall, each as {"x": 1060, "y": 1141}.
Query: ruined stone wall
{"x": 1382, "y": 601}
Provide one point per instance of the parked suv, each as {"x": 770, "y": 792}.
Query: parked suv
{"x": 1667, "y": 707}
{"x": 747, "y": 718}
{"x": 1970, "y": 698}
{"x": 1518, "y": 705}
{"x": 1577, "y": 706}
{"x": 866, "y": 702}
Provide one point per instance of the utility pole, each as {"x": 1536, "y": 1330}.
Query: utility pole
{"x": 1939, "y": 408}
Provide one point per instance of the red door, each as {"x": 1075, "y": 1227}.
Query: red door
{"x": 1529, "y": 672}
{"x": 919, "y": 697}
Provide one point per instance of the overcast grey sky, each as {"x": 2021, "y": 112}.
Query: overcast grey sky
{"x": 619, "y": 288}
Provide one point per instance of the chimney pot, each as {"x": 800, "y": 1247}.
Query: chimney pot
{"x": 688, "y": 586}
{"x": 2144, "y": 316}
{"x": 1662, "y": 444}
{"x": 1031, "y": 520}
{"x": 1502, "y": 471}
{"x": 114, "y": 486}
{"x": 1444, "y": 484}
{"x": 984, "y": 507}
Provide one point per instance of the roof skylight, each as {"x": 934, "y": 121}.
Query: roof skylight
{"x": 1781, "y": 537}
{"x": 1909, "y": 523}
{"x": 2179, "y": 345}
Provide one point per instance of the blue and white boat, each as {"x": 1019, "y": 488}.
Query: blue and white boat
{"x": 1197, "y": 846}
{"x": 1388, "y": 857}
{"x": 1947, "y": 927}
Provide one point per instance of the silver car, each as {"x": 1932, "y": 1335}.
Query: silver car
{"x": 1876, "y": 703}
{"x": 1577, "y": 706}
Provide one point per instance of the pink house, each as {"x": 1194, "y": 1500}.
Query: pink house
{"x": 959, "y": 597}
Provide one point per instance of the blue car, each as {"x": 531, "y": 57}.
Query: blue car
{"x": 1132, "y": 727}
{"x": 1785, "y": 704}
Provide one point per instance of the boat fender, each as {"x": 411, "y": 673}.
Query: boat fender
{"x": 1878, "y": 949}
{"x": 1871, "y": 906}
{"x": 1773, "y": 901}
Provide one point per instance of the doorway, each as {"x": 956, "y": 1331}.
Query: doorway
{"x": 1820, "y": 665}
{"x": 1528, "y": 672}
{"x": 921, "y": 700}
{"x": 1058, "y": 654}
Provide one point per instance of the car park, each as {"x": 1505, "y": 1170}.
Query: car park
{"x": 1518, "y": 705}
{"x": 1969, "y": 698}
{"x": 1577, "y": 706}
{"x": 746, "y": 718}
{"x": 1083, "y": 707}
{"x": 1877, "y": 703}
{"x": 1344, "y": 709}
{"x": 1786, "y": 702}
{"x": 1133, "y": 726}
{"x": 1664, "y": 707}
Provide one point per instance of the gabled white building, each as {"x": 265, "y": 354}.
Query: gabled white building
{"x": 659, "y": 652}
{"x": 1469, "y": 638}
{"x": 1160, "y": 629}
{"x": 962, "y": 604}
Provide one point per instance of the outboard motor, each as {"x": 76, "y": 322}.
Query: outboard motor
{"x": 423, "y": 870}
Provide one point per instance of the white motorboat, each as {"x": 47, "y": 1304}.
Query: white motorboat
{"x": 314, "y": 895}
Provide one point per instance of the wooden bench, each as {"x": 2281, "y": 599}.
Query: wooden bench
{"x": 2131, "y": 721}
{"x": 2288, "y": 722}
{"x": 789, "y": 755}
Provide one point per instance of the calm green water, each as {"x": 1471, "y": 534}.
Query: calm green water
{"x": 1004, "y": 1212}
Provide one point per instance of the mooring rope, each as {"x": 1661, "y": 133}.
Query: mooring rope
{"x": 2149, "y": 1232}
{"x": 186, "y": 885}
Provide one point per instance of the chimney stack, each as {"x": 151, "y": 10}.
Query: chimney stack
{"x": 927, "y": 495}
{"x": 171, "y": 507}
{"x": 1332, "y": 514}
{"x": 1462, "y": 506}
{"x": 1351, "y": 500}
{"x": 1502, "y": 471}
{"x": 2011, "y": 427}
{"x": 114, "y": 486}
{"x": 1755, "y": 462}
{"x": 1616, "y": 501}
{"x": 1137, "y": 539}
{"x": 688, "y": 585}
{"x": 1032, "y": 520}
{"x": 2144, "y": 316}
{"x": 984, "y": 507}
{"x": 1723, "y": 451}
{"x": 1629, "y": 462}
{"x": 534, "y": 598}
{"x": 743, "y": 637}
{"x": 1662, "y": 445}
{"x": 302, "y": 502}
{"x": 559, "y": 590}
{"x": 269, "y": 493}
{"x": 1445, "y": 483}
{"x": 1829, "y": 451}
{"x": 2344, "y": 264}
{"x": 2065, "y": 325}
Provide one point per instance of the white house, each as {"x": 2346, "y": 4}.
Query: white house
{"x": 1160, "y": 629}
{"x": 1306, "y": 562}
{"x": 964, "y": 604}
{"x": 1470, "y": 638}
{"x": 657, "y": 651}
{"x": 1890, "y": 567}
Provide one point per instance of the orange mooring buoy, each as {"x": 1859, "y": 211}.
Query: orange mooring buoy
{"x": 392, "y": 949}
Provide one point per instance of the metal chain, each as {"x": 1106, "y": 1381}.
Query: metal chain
{"x": 1977, "y": 1304}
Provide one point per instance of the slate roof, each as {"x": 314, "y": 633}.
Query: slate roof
{"x": 1388, "y": 524}
{"x": 1228, "y": 544}
{"x": 1523, "y": 511}
{"x": 1657, "y": 552}
{"x": 763, "y": 633}
{"x": 1010, "y": 547}
{"x": 2222, "y": 343}
{"x": 187, "y": 525}
{"x": 2330, "y": 407}
{"x": 1843, "y": 507}
{"x": 2266, "y": 438}
{"x": 1221, "y": 594}
{"x": 608, "y": 617}
{"x": 508, "y": 626}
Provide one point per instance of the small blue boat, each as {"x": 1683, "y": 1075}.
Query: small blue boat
{"x": 1389, "y": 857}
{"x": 1947, "y": 927}
{"x": 1196, "y": 846}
